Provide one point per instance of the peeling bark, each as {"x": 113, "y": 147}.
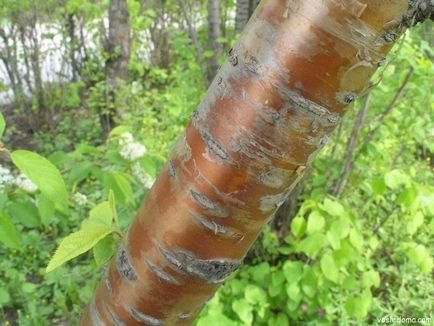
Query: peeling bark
{"x": 270, "y": 109}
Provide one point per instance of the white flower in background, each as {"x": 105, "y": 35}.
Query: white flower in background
{"x": 130, "y": 150}
{"x": 6, "y": 177}
{"x": 79, "y": 198}
{"x": 144, "y": 178}
{"x": 24, "y": 183}
{"x": 126, "y": 138}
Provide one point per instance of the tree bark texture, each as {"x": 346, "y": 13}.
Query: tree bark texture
{"x": 270, "y": 109}
{"x": 118, "y": 41}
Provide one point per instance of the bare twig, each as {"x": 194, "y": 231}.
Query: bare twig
{"x": 351, "y": 144}
{"x": 386, "y": 111}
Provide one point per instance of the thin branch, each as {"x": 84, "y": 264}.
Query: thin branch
{"x": 386, "y": 111}
{"x": 351, "y": 144}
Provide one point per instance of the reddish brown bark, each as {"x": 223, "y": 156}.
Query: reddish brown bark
{"x": 270, "y": 109}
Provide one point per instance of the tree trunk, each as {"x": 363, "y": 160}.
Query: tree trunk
{"x": 119, "y": 55}
{"x": 213, "y": 35}
{"x": 244, "y": 11}
{"x": 73, "y": 46}
{"x": 271, "y": 108}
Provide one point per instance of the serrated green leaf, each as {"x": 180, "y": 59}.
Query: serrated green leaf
{"x": 100, "y": 214}
{"x": 8, "y": 233}
{"x": 42, "y": 173}
{"x": 104, "y": 250}
{"x": 77, "y": 243}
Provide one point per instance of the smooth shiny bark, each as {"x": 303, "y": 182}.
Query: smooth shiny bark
{"x": 270, "y": 109}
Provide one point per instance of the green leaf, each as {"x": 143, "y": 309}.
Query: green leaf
{"x": 104, "y": 250}
{"x": 315, "y": 222}
{"x": 395, "y": 178}
{"x": 112, "y": 203}
{"x": 419, "y": 255}
{"x": 345, "y": 254}
{"x": 350, "y": 283}
{"x": 280, "y": 320}
{"x": 298, "y": 226}
{"x": 2, "y": 125}
{"x": 414, "y": 224}
{"x": 309, "y": 283}
{"x": 378, "y": 185}
{"x": 371, "y": 278}
{"x": 293, "y": 271}
{"x": 358, "y": 307}
{"x": 338, "y": 230}
{"x": 28, "y": 287}
{"x": 4, "y": 297}
{"x": 101, "y": 214}
{"x": 243, "y": 310}
{"x": 254, "y": 294}
{"x": 24, "y": 212}
{"x": 312, "y": 244}
{"x": 77, "y": 243}
{"x": 294, "y": 292}
{"x": 79, "y": 172}
{"x": 148, "y": 165}
{"x": 8, "y": 233}
{"x": 332, "y": 207}
{"x": 356, "y": 239}
{"x": 42, "y": 173}
{"x": 119, "y": 130}
{"x": 120, "y": 184}
{"x": 329, "y": 269}
{"x": 46, "y": 209}
{"x": 260, "y": 272}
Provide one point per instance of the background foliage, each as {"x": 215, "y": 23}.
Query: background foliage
{"x": 346, "y": 258}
